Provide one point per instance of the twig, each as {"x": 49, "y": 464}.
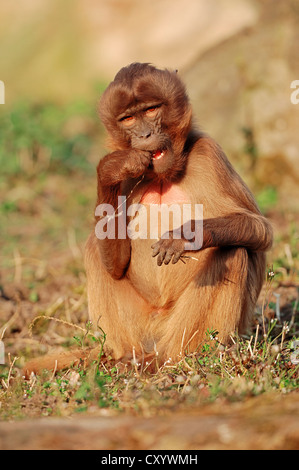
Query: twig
{"x": 194, "y": 334}
{"x": 269, "y": 278}
{"x": 11, "y": 320}
{"x": 54, "y": 371}
{"x": 232, "y": 339}
{"x": 3, "y": 331}
{"x": 182, "y": 342}
{"x": 6, "y": 384}
{"x": 249, "y": 347}
{"x": 285, "y": 329}
{"x": 55, "y": 319}
{"x": 135, "y": 362}
{"x": 188, "y": 257}
{"x": 118, "y": 214}
{"x": 256, "y": 337}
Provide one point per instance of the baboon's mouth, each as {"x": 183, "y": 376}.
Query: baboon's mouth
{"x": 158, "y": 154}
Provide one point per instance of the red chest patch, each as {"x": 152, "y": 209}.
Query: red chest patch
{"x": 164, "y": 193}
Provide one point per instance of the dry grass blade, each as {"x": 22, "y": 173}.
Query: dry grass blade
{"x": 58, "y": 320}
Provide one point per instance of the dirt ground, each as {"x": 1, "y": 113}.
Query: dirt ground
{"x": 257, "y": 424}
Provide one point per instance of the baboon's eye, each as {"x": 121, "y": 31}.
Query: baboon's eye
{"x": 128, "y": 120}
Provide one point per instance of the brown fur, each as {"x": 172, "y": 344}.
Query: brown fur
{"x": 141, "y": 300}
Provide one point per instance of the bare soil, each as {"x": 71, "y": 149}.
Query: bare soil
{"x": 262, "y": 423}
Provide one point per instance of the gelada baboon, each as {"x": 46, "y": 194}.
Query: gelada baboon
{"x": 158, "y": 298}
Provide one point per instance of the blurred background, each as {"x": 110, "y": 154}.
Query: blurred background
{"x": 238, "y": 59}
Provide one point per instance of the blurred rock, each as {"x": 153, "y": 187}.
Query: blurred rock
{"x": 241, "y": 90}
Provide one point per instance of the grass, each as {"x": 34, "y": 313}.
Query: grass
{"x": 263, "y": 363}
{"x": 47, "y": 194}
{"x": 44, "y": 137}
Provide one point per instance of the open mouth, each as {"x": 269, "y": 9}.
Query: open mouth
{"x": 158, "y": 154}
